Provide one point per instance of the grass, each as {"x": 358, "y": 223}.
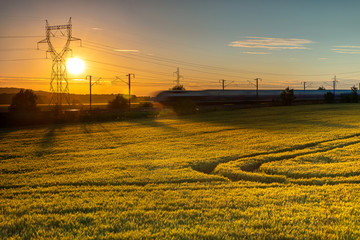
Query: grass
{"x": 266, "y": 173}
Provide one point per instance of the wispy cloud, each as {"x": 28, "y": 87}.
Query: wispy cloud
{"x": 97, "y": 29}
{"x": 257, "y": 52}
{"x": 347, "y": 49}
{"x": 346, "y": 46}
{"x": 272, "y": 43}
{"x": 126, "y": 50}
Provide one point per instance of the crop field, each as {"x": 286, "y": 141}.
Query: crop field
{"x": 264, "y": 173}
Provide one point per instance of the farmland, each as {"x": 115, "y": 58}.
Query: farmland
{"x": 274, "y": 173}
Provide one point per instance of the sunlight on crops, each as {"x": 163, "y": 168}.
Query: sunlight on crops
{"x": 284, "y": 172}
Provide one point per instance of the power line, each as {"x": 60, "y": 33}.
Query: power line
{"x": 119, "y": 66}
{"x": 21, "y": 59}
{"x": 23, "y": 36}
{"x": 107, "y": 48}
{"x": 17, "y": 49}
{"x": 192, "y": 66}
{"x": 167, "y": 65}
{"x": 136, "y": 56}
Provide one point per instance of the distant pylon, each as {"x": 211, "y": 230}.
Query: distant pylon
{"x": 178, "y": 76}
{"x": 59, "y": 86}
{"x": 334, "y": 84}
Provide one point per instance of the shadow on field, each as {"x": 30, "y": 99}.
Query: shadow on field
{"x": 271, "y": 118}
{"x": 152, "y": 122}
{"x": 107, "y": 131}
{"x": 47, "y": 141}
{"x": 85, "y": 128}
{"x": 5, "y": 131}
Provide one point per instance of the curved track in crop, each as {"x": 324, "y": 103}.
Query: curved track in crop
{"x": 317, "y": 163}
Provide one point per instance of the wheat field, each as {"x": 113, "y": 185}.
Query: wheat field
{"x": 264, "y": 173}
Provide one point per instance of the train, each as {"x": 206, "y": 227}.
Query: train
{"x": 216, "y": 97}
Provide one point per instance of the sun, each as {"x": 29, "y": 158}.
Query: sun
{"x": 75, "y": 65}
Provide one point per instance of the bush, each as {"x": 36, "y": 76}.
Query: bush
{"x": 354, "y": 95}
{"x": 25, "y": 100}
{"x": 329, "y": 97}
{"x": 119, "y": 103}
{"x": 350, "y": 98}
{"x": 146, "y": 105}
{"x": 177, "y": 88}
{"x": 287, "y": 96}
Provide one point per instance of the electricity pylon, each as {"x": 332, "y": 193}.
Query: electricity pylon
{"x": 59, "y": 86}
{"x": 178, "y": 76}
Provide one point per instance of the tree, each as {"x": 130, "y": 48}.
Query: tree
{"x": 177, "y": 88}
{"x": 354, "y": 95}
{"x": 25, "y": 100}
{"x": 287, "y": 96}
{"x": 321, "y": 88}
{"x": 350, "y": 98}
{"x": 119, "y": 103}
{"x": 329, "y": 97}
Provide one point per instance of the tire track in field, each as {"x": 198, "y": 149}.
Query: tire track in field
{"x": 209, "y": 167}
{"x": 247, "y": 170}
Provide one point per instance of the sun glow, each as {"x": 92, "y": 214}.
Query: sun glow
{"x": 75, "y": 65}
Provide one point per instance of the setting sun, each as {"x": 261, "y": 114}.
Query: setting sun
{"x": 75, "y": 65}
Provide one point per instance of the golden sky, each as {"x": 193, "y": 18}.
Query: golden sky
{"x": 286, "y": 43}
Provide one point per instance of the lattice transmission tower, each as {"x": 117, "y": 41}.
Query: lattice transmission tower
{"x": 59, "y": 85}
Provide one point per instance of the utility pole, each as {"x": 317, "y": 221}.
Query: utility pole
{"x": 334, "y": 84}
{"x": 304, "y": 86}
{"x": 91, "y": 84}
{"x": 129, "y": 84}
{"x": 90, "y": 77}
{"x": 257, "y": 87}
{"x": 223, "y": 83}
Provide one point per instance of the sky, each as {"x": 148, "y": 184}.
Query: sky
{"x": 283, "y": 42}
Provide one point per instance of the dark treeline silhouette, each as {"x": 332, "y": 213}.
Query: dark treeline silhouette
{"x": 25, "y": 100}
{"x": 7, "y": 94}
{"x": 118, "y": 103}
{"x": 23, "y": 111}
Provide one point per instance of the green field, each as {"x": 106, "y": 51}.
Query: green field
{"x": 265, "y": 173}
